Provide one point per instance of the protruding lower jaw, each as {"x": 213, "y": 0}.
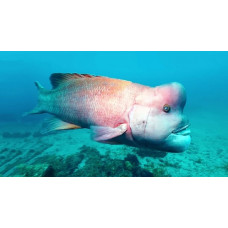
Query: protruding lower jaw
{"x": 177, "y": 143}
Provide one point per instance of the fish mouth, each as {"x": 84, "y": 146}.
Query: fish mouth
{"x": 184, "y": 130}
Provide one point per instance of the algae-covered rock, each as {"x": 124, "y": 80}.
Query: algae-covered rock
{"x": 132, "y": 159}
{"x": 32, "y": 170}
{"x": 61, "y": 166}
{"x": 49, "y": 172}
{"x": 160, "y": 172}
{"x": 157, "y": 171}
{"x": 132, "y": 164}
{"x": 87, "y": 162}
{"x": 128, "y": 166}
{"x": 97, "y": 165}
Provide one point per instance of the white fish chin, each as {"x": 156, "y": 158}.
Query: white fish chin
{"x": 177, "y": 142}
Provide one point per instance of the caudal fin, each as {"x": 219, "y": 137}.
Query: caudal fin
{"x": 41, "y": 97}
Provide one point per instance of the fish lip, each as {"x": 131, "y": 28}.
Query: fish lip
{"x": 180, "y": 129}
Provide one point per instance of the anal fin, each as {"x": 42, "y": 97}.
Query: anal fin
{"x": 55, "y": 124}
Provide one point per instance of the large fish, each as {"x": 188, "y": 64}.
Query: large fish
{"x": 117, "y": 111}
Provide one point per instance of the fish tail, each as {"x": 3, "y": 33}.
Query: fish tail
{"x": 40, "y": 107}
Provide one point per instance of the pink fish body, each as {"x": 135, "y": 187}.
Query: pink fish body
{"x": 117, "y": 111}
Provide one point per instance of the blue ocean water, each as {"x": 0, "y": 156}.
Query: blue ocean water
{"x": 23, "y": 152}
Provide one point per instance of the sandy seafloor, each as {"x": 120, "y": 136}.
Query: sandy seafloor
{"x": 24, "y": 152}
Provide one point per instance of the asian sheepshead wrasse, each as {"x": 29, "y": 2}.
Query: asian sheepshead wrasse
{"x": 117, "y": 111}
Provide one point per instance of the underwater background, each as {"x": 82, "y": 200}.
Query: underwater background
{"x": 25, "y": 152}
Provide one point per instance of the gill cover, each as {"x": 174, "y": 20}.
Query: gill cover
{"x": 138, "y": 121}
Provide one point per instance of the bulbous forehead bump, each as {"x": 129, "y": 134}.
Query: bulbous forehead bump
{"x": 173, "y": 94}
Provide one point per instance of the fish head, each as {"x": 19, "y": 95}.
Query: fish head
{"x": 157, "y": 120}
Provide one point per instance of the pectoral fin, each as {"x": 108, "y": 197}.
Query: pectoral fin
{"x": 55, "y": 124}
{"x": 107, "y": 133}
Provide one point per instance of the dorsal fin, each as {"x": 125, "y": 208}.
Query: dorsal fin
{"x": 59, "y": 78}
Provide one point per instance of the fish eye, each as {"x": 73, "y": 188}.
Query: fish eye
{"x": 166, "y": 108}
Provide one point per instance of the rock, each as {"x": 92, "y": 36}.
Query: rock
{"x": 49, "y": 172}
{"x": 128, "y": 166}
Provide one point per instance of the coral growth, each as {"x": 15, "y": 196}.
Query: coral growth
{"x": 12, "y": 158}
{"x": 87, "y": 162}
{"x": 158, "y": 171}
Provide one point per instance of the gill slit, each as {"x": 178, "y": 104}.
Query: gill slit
{"x": 144, "y": 131}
